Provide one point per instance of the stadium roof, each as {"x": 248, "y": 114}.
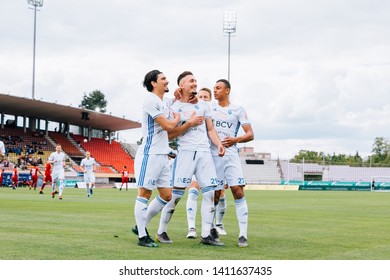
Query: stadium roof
{"x": 19, "y": 106}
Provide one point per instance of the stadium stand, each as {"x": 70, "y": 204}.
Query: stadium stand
{"x": 261, "y": 173}
{"x": 67, "y": 146}
{"x": 331, "y": 173}
{"x": 24, "y": 148}
{"x": 107, "y": 154}
{"x": 295, "y": 171}
{"x": 356, "y": 174}
{"x": 99, "y": 169}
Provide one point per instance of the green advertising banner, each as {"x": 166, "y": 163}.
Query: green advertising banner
{"x": 338, "y": 186}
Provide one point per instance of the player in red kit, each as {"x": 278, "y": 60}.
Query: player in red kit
{"x": 47, "y": 178}
{"x": 34, "y": 176}
{"x": 125, "y": 177}
{"x": 15, "y": 178}
{"x": 1, "y": 177}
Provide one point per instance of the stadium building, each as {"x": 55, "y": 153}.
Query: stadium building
{"x": 30, "y": 129}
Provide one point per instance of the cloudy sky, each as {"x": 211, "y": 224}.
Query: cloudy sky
{"x": 312, "y": 74}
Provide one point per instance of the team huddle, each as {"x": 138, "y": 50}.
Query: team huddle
{"x": 207, "y": 158}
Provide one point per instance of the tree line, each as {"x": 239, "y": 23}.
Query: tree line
{"x": 380, "y": 156}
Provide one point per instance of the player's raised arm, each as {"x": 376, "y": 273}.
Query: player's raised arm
{"x": 166, "y": 124}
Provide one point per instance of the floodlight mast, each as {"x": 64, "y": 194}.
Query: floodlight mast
{"x": 229, "y": 27}
{"x": 35, "y": 4}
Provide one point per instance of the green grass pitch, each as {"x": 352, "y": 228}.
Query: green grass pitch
{"x": 283, "y": 225}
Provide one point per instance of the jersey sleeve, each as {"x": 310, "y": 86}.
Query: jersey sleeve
{"x": 243, "y": 117}
{"x": 207, "y": 110}
{"x": 153, "y": 107}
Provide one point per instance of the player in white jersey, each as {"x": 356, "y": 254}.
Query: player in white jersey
{"x": 57, "y": 159}
{"x": 2, "y": 151}
{"x": 193, "y": 190}
{"x": 227, "y": 119}
{"x": 151, "y": 162}
{"x": 88, "y": 166}
{"x": 193, "y": 158}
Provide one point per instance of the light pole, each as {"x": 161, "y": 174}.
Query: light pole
{"x": 35, "y": 3}
{"x": 229, "y": 27}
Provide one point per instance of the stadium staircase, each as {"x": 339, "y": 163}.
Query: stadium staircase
{"x": 73, "y": 152}
{"x": 131, "y": 149}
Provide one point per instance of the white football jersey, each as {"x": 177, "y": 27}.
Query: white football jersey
{"x": 227, "y": 122}
{"x": 57, "y": 159}
{"x": 195, "y": 138}
{"x": 88, "y": 164}
{"x": 155, "y": 139}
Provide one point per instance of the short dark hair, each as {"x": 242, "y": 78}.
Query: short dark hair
{"x": 150, "y": 77}
{"x": 182, "y": 75}
{"x": 226, "y": 82}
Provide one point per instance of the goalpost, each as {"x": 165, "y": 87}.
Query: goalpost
{"x": 380, "y": 183}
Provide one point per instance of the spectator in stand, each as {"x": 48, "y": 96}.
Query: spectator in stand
{"x": 125, "y": 177}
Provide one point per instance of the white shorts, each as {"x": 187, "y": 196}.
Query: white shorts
{"x": 229, "y": 171}
{"x": 189, "y": 163}
{"x": 152, "y": 171}
{"x": 58, "y": 175}
{"x": 89, "y": 178}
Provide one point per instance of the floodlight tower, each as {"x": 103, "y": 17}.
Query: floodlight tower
{"x": 35, "y": 3}
{"x": 229, "y": 27}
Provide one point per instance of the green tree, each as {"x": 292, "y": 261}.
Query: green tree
{"x": 380, "y": 150}
{"x": 355, "y": 160}
{"x": 95, "y": 100}
{"x": 309, "y": 156}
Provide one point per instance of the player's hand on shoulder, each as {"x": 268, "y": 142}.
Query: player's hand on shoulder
{"x": 193, "y": 99}
{"x": 177, "y": 94}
